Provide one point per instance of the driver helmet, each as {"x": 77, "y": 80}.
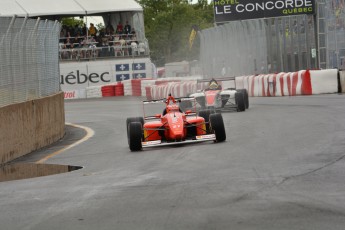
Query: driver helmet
{"x": 213, "y": 85}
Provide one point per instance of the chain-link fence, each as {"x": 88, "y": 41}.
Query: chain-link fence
{"x": 29, "y": 65}
{"x": 331, "y": 20}
{"x": 270, "y": 45}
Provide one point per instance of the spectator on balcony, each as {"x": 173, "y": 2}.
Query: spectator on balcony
{"x": 134, "y": 37}
{"x": 119, "y": 28}
{"x": 83, "y": 30}
{"x": 92, "y": 30}
{"x": 127, "y": 28}
{"x": 122, "y": 41}
{"x": 76, "y": 30}
{"x": 109, "y": 30}
{"x": 69, "y": 43}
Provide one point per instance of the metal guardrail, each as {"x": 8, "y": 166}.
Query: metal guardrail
{"x": 29, "y": 65}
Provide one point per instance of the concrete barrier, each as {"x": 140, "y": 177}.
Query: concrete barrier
{"x": 30, "y": 125}
{"x": 324, "y": 81}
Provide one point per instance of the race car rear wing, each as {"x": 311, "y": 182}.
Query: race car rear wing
{"x": 188, "y": 108}
{"x": 217, "y": 79}
{"x": 178, "y": 99}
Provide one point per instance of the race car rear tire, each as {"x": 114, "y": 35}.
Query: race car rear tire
{"x": 217, "y": 126}
{"x": 133, "y": 119}
{"x": 239, "y": 98}
{"x": 135, "y": 135}
{"x": 246, "y": 97}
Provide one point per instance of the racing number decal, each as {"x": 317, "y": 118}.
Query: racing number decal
{"x": 174, "y": 118}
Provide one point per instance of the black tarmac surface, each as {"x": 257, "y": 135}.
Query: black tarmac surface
{"x": 282, "y": 167}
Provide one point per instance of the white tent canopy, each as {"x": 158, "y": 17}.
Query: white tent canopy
{"x": 34, "y": 8}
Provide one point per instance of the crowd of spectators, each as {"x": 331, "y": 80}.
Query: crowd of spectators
{"x": 85, "y": 43}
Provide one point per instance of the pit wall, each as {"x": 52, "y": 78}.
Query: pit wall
{"x": 304, "y": 82}
{"x": 30, "y": 125}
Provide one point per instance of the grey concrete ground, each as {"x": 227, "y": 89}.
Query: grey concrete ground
{"x": 282, "y": 167}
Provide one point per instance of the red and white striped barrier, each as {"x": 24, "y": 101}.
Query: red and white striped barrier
{"x": 178, "y": 89}
{"x": 303, "y": 82}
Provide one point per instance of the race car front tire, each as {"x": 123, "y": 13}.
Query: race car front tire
{"x": 135, "y": 135}
{"x": 239, "y": 98}
{"x": 205, "y": 114}
{"x": 217, "y": 126}
{"x": 133, "y": 119}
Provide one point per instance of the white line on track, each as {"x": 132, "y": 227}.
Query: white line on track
{"x": 89, "y": 134}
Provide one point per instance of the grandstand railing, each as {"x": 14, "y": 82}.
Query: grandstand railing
{"x": 101, "y": 47}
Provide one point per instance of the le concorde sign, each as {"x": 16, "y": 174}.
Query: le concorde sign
{"x": 231, "y": 10}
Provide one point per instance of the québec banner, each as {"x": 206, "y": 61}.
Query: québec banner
{"x": 231, "y": 10}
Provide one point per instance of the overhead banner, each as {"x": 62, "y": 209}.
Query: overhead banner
{"x": 232, "y": 10}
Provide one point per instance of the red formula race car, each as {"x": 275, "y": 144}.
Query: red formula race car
{"x": 173, "y": 126}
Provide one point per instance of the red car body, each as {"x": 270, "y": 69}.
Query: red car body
{"x": 171, "y": 127}
{"x": 211, "y": 97}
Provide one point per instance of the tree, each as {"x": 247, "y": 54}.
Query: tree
{"x": 72, "y": 21}
{"x": 168, "y": 25}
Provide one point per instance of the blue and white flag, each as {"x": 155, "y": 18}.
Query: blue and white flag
{"x": 139, "y": 66}
{"x": 122, "y": 77}
{"x": 139, "y": 75}
{"x": 122, "y": 67}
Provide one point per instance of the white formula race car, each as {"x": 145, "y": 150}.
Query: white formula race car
{"x": 216, "y": 99}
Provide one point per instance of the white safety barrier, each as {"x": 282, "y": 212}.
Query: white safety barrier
{"x": 228, "y": 84}
{"x": 75, "y": 94}
{"x": 324, "y": 81}
{"x": 94, "y": 91}
{"x": 127, "y": 85}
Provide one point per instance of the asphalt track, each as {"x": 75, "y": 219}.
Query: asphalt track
{"x": 282, "y": 167}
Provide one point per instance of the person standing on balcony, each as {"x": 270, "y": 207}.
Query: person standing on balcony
{"x": 127, "y": 28}
{"x": 92, "y": 30}
{"x": 119, "y": 28}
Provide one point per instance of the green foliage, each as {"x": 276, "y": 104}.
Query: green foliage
{"x": 168, "y": 24}
{"x": 71, "y": 22}
{"x": 100, "y": 26}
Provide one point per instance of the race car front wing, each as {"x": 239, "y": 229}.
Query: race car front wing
{"x": 201, "y": 138}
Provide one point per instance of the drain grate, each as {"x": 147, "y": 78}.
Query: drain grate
{"x": 21, "y": 171}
